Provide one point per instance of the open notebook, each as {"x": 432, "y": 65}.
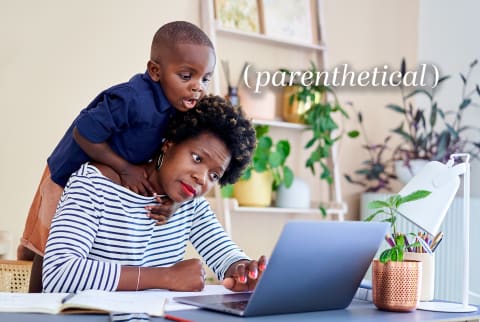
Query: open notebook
{"x": 91, "y": 300}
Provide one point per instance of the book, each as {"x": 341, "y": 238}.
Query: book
{"x": 89, "y": 301}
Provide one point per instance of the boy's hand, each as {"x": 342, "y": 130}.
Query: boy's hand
{"x": 163, "y": 211}
{"x": 134, "y": 177}
{"x": 243, "y": 275}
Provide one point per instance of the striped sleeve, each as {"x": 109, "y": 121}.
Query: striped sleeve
{"x": 66, "y": 267}
{"x": 212, "y": 242}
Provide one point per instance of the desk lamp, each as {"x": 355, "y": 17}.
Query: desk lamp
{"x": 428, "y": 214}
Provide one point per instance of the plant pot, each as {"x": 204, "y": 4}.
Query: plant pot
{"x": 293, "y": 112}
{"x": 296, "y": 196}
{"x": 257, "y": 105}
{"x": 254, "y": 192}
{"x": 396, "y": 285}
{"x": 405, "y": 173}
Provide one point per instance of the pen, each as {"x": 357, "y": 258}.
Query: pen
{"x": 66, "y": 298}
{"x": 175, "y": 318}
{"x": 436, "y": 244}
{"x": 436, "y": 240}
{"x": 390, "y": 240}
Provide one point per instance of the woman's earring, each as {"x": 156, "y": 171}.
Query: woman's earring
{"x": 159, "y": 161}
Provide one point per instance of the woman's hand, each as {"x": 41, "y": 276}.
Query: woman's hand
{"x": 243, "y": 275}
{"x": 187, "y": 275}
{"x": 163, "y": 211}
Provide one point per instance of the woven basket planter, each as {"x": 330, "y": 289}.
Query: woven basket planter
{"x": 396, "y": 285}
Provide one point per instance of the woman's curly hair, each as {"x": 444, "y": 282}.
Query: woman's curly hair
{"x": 214, "y": 114}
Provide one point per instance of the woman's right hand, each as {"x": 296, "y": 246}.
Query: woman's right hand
{"x": 187, "y": 276}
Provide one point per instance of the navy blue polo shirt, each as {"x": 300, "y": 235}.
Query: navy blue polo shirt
{"x": 130, "y": 117}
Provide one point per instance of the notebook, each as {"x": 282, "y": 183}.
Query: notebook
{"x": 315, "y": 265}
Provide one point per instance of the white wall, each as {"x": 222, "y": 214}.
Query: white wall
{"x": 447, "y": 37}
{"x": 55, "y": 56}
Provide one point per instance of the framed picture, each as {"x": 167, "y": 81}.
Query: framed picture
{"x": 240, "y": 15}
{"x": 288, "y": 19}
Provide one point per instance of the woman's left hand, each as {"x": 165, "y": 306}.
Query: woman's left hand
{"x": 243, "y": 275}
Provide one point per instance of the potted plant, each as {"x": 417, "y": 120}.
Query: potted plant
{"x": 377, "y": 171}
{"x": 316, "y": 106}
{"x": 432, "y": 132}
{"x": 266, "y": 172}
{"x": 395, "y": 281}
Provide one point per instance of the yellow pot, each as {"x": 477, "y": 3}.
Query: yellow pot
{"x": 396, "y": 285}
{"x": 256, "y": 191}
{"x": 293, "y": 112}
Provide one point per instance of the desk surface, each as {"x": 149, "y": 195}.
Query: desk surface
{"x": 358, "y": 311}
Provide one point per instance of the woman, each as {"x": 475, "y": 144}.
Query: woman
{"x": 102, "y": 238}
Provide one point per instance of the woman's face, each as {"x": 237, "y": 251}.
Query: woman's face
{"x": 191, "y": 168}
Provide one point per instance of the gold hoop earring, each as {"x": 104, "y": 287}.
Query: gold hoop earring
{"x": 159, "y": 161}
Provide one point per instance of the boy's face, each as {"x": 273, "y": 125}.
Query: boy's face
{"x": 191, "y": 168}
{"x": 184, "y": 73}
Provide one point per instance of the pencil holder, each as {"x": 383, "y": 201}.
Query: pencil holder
{"x": 427, "y": 283}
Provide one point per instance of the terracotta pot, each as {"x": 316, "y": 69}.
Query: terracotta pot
{"x": 396, "y": 285}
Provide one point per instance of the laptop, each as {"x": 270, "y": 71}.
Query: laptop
{"x": 315, "y": 265}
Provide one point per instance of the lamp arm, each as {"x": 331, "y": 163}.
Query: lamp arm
{"x": 465, "y": 170}
{"x": 466, "y": 234}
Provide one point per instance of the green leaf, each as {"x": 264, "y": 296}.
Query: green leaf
{"x": 227, "y": 191}
{"x": 386, "y": 255}
{"x": 353, "y": 134}
{"x": 275, "y": 159}
{"x": 375, "y": 204}
{"x": 396, "y": 108}
{"x": 288, "y": 176}
{"x": 419, "y": 91}
{"x": 465, "y": 103}
{"x": 418, "y": 194}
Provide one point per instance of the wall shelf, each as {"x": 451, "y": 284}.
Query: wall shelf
{"x": 331, "y": 210}
{"x": 334, "y": 205}
{"x": 280, "y": 124}
{"x": 268, "y": 39}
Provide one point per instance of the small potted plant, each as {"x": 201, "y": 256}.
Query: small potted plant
{"x": 266, "y": 172}
{"x": 318, "y": 106}
{"x": 395, "y": 281}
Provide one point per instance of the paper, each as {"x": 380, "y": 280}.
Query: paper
{"x": 151, "y": 303}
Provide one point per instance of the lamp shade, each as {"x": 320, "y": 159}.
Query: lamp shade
{"x": 442, "y": 180}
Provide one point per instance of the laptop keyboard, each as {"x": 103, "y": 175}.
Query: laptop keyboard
{"x": 237, "y": 305}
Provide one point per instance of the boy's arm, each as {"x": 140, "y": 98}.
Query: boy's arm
{"x": 132, "y": 176}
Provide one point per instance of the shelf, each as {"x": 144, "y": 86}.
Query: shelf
{"x": 265, "y": 38}
{"x": 338, "y": 209}
{"x": 281, "y": 124}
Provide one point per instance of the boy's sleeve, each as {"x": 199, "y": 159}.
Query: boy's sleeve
{"x": 110, "y": 112}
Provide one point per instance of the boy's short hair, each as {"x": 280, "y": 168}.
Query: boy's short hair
{"x": 215, "y": 115}
{"x": 179, "y": 32}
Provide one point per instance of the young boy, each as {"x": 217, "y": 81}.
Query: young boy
{"x": 121, "y": 127}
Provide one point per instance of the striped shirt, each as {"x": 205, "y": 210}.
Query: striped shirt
{"x": 100, "y": 226}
